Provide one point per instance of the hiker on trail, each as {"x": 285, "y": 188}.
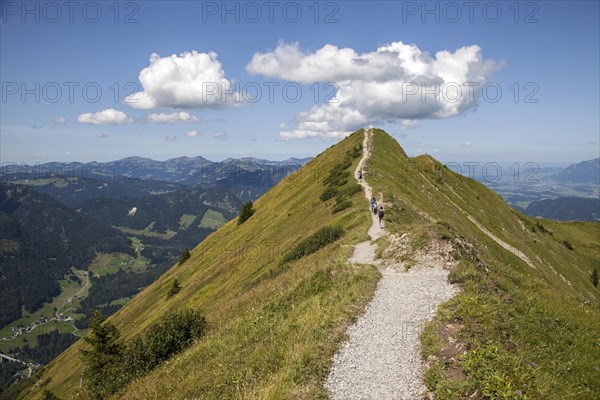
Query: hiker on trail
{"x": 360, "y": 175}
{"x": 373, "y": 201}
{"x": 381, "y": 217}
{"x": 374, "y": 209}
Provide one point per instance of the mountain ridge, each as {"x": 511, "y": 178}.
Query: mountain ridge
{"x": 248, "y": 178}
{"x": 57, "y": 166}
{"x": 582, "y": 172}
{"x": 275, "y": 324}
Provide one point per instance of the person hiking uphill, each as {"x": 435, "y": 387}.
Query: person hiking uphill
{"x": 380, "y": 214}
{"x": 373, "y": 202}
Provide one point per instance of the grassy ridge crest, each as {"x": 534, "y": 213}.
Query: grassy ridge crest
{"x": 513, "y": 332}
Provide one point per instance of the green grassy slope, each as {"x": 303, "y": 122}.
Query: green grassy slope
{"x": 514, "y": 331}
{"x": 273, "y": 326}
{"x": 522, "y": 331}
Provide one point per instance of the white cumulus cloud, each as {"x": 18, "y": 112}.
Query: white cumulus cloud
{"x": 172, "y": 118}
{"x": 192, "y": 133}
{"x": 109, "y": 116}
{"x": 171, "y": 137}
{"x": 395, "y": 83}
{"x": 188, "y": 80}
{"x": 59, "y": 120}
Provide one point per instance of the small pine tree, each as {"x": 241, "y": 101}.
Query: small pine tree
{"x": 103, "y": 359}
{"x": 246, "y": 212}
{"x": 184, "y": 256}
{"x": 175, "y": 288}
{"x": 594, "y": 277}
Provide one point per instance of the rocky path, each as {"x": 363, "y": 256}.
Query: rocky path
{"x": 381, "y": 358}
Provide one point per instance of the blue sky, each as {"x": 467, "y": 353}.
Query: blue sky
{"x": 358, "y": 51}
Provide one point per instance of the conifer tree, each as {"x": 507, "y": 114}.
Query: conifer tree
{"x": 103, "y": 359}
{"x": 246, "y": 212}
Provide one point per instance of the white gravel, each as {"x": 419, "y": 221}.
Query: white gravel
{"x": 364, "y": 253}
{"x": 382, "y": 358}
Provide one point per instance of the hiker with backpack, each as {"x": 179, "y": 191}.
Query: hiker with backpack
{"x": 380, "y": 214}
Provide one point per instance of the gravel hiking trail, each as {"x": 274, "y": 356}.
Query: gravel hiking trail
{"x": 381, "y": 358}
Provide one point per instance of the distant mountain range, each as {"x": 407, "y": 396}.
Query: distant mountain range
{"x": 247, "y": 178}
{"x": 571, "y": 193}
{"x": 583, "y": 172}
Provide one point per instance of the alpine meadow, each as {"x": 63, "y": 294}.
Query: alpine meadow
{"x": 278, "y": 298}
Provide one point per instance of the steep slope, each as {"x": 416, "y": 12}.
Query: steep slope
{"x": 524, "y": 325}
{"x": 274, "y": 324}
